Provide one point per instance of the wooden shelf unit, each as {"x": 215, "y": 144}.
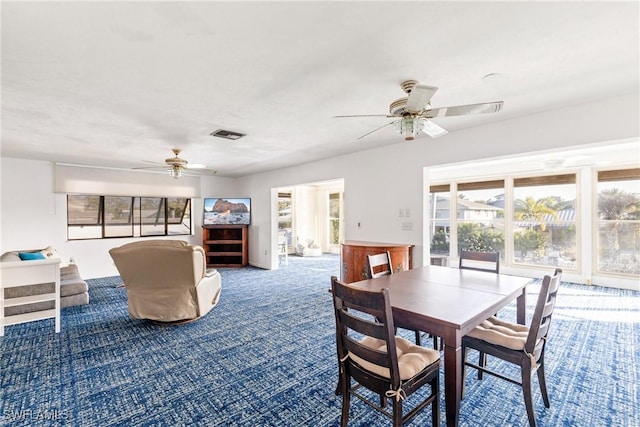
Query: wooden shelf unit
{"x": 226, "y": 245}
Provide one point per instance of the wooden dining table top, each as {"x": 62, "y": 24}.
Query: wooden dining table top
{"x": 448, "y": 296}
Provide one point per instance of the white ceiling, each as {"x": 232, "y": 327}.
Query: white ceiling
{"x": 118, "y": 84}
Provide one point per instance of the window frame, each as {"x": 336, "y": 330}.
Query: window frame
{"x": 454, "y": 187}
{"x": 336, "y": 196}
{"x": 542, "y": 180}
{"x": 134, "y": 220}
{"x": 608, "y": 175}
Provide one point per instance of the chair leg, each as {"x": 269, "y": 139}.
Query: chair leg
{"x": 464, "y": 370}
{"x": 435, "y": 405}
{"x": 526, "y": 390}
{"x": 397, "y": 412}
{"x": 542, "y": 381}
{"x": 482, "y": 361}
{"x": 346, "y": 401}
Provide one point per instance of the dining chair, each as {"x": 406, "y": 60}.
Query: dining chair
{"x": 380, "y": 265}
{"x": 481, "y": 261}
{"x": 371, "y": 356}
{"x": 518, "y": 344}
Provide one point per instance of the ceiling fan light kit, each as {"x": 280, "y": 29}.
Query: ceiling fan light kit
{"x": 408, "y": 127}
{"x": 414, "y": 112}
{"x": 176, "y": 172}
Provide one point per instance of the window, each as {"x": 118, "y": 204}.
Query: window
{"x": 480, "y": 216}
{"x": 544, "y": 220}
{"x": 285, "y": 216}
{"x": 439, "y": 223}
{"x": 84, "y": 217}
{"x": 618, "y": 221}
{"x": 118, "y": 212}
{"x": 179, "y": 215}
{"x": 97, "y": 217}
{"x": 152, "y": 218}
{"x": 540, "y": 229}
{"x": 335, "y": 218}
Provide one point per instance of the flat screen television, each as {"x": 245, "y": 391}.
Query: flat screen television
{"x": 227, "y": 211}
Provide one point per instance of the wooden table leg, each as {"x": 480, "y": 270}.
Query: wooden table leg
{"x": 521, "y": 309}
{"x": 452, "y": 376}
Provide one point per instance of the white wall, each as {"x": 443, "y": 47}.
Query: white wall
{"x": 377, "y": 183}
{"x": 33, "y": 216}
{"x": 305, "y": 216}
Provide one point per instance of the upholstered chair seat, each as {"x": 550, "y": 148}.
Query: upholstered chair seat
{"x": 499, "y": 332}
{"x": 412, "y": 358}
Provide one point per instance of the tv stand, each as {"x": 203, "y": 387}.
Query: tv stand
{"x": 226, "y": 245}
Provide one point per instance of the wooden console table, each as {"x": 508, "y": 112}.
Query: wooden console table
{"x": 354, "y": 258}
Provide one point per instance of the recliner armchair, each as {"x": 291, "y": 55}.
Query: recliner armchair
{"x": 166, "y": 280}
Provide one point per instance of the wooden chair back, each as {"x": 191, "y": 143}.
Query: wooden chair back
{"x": 365, "y": 313}
{"x": 481, "y": 261}
{"x": 379, "y": 265}
{"x": 539, "y": 329}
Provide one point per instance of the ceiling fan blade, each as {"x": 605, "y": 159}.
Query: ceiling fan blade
{"x": 151, "y": 167}
{"x": 203, "y": 171}
{"x": 419, "y": 98}
{"x": 154, "y": 163}
{"x": 195, "y": 166}
{"x": 364, "y": 115}
{"x": 462, "y": 110}
{"x": 377, "y": 129}
{"x": 432, "y": 129}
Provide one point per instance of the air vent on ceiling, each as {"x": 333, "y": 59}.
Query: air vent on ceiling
{"x": 227, "y": 134}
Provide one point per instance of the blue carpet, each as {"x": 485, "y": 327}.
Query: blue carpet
{"x": 265, "y": 356}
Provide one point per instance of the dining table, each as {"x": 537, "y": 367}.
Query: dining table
{"x": 448, "y": 303}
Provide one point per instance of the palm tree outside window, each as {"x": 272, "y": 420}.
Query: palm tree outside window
{"x": 544, "y": 226}
{"x": 618, "y": 221}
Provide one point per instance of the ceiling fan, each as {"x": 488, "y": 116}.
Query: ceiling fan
{"x": 413, "y": 113}
{"x": 178, "y": 167}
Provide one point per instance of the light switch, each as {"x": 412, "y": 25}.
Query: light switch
{"x": 407, "y": 226}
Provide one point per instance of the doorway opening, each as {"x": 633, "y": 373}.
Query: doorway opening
{"x": 310, "y": 219}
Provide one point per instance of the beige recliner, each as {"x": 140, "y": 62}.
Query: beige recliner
{"x": 166, "y": 280}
